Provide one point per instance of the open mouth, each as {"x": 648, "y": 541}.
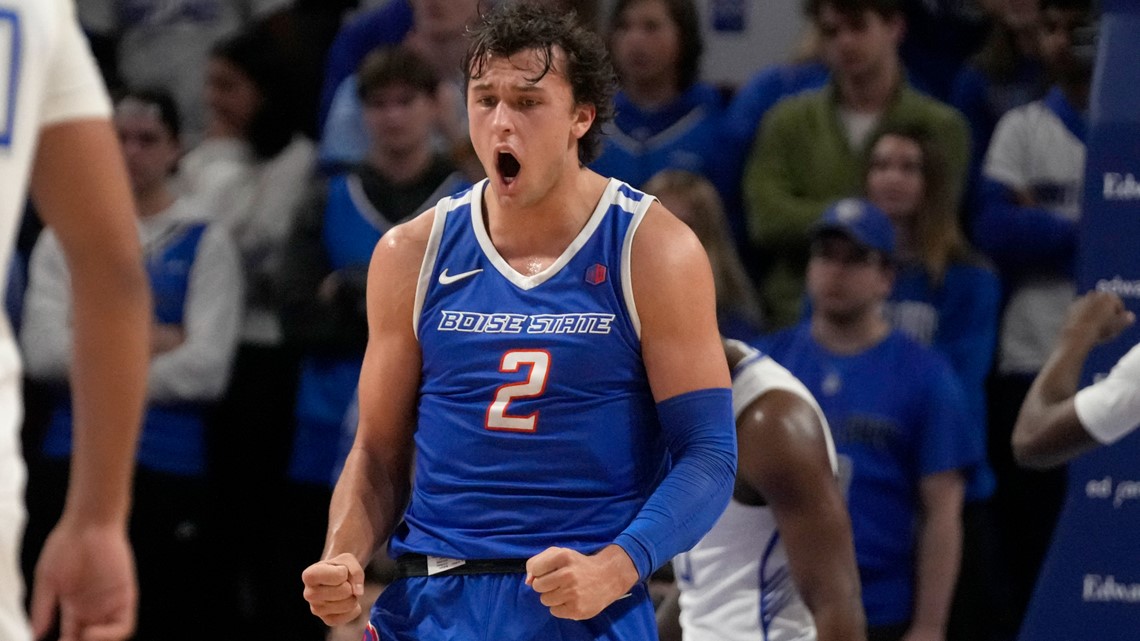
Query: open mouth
{"x": 508, "y": 166}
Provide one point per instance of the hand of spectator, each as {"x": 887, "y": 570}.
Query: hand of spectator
{"x": 87, "y": 575}
{"x": 165, "y": 337}
{"x": 332, "y": 587}
{"x": 1098, "y": 315}
{"x": 576, "y": 586}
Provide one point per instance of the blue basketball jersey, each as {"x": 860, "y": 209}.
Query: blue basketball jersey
{"x": 536, "y": 423}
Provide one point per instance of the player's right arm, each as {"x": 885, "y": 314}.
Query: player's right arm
{"x": 1048, "y": 431}
{"x": 373, "y": 488}
{"x": 783, "y": 456}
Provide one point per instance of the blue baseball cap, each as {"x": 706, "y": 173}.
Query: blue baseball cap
{"x": 857, "y": 219}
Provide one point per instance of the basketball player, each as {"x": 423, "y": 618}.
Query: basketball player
{"x": 54, "y": 126}
{"x": 572, "y": 418}
{"x": 1058, "y": 423}
{"x": 780, "y": 562}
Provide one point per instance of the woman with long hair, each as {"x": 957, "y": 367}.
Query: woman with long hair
{"x": 694, "y": 200}
{"x": 947, "y": 297}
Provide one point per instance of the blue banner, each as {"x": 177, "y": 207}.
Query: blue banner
{"x": 1089, "y": 587}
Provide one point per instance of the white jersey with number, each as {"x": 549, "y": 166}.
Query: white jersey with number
{"x": 47, "y": 76}
{"x": 735, "y": 583}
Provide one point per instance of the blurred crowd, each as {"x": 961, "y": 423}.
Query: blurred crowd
{"x": 271, "y": 143}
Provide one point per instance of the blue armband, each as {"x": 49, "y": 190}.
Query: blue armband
{"x": 700, "y": 433}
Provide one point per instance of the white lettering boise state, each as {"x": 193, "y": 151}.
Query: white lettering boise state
{"x": 477, "y": 323}
{"x": 502, "y": 323}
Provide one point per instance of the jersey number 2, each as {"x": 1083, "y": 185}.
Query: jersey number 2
{"x": 9, "y": 72}
{"x": 534, "y": 385}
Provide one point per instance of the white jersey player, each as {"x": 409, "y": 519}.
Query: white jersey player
{"x": 782, "y": 550}
{"x": 55, "y": 137}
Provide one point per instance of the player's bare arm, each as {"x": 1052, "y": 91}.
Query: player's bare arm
{"x": 86, "y": 566}
{"x": 676, "y": 301}
{"x": 783, "y": 458}
{"x": 1048, "y": 431}
{"x": 373, "y": 488}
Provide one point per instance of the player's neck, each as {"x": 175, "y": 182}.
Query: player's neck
{"x": 538, "y": 232}
{"x": 849, "y": 335}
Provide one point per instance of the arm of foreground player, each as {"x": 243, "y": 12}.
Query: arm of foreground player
{"x": 373, "y": 488}
{"x": 81, "y": 190}
{"x": 783, "y": 456}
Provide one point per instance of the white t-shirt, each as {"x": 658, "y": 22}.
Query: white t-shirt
{"x": 735, "y": 583}
{"x": 1032, "y": 150}
{"x": 47, "y": 76}
{"x": 1110, "y": 408}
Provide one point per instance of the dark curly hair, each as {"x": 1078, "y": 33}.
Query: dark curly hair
{"x": 511, "y": 27}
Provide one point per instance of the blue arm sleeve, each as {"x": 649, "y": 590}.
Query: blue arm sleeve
{"x": 1023, "y": 238}
{"x": 701, "y": 436}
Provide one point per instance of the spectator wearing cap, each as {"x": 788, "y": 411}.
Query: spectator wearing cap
{"x": 896, "y": 411}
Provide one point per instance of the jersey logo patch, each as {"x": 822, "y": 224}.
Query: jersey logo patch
{"x": 596, "y": 274}
{"x": 447, "y": 279}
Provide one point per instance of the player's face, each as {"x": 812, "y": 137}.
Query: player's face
{"x": 525, "y": 132}
{"x": 857, "y": 45}
{"x": 646, "y": 43}
{"x": 150, "y": 150}
{"x": 845, "y": 280}
{"x": 399, "y": 118}
{"x": 231, "y": 96}
{"x": 894, "y": 178}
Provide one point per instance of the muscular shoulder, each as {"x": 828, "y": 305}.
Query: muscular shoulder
{"x": 664, "y": 247}
{"x": 404, "y": 245}
{"x": 395, "y": 267}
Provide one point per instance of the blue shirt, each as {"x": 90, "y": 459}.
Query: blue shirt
{"x": 959, "y": 320}
{"x": 895, "y": 411}
{"x": 173, "y": 438}
{"x": 682, "y": 135}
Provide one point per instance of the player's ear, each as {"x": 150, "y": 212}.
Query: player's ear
{"x": 584, "y": 115}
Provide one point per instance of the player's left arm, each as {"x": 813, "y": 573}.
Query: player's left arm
{"x": 939, "y": 553}
{"x": 783, "y": 456}
{"x": 684, "y": 361}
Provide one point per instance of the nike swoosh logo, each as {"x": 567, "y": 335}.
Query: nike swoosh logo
{"x": 446, "y": 279}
